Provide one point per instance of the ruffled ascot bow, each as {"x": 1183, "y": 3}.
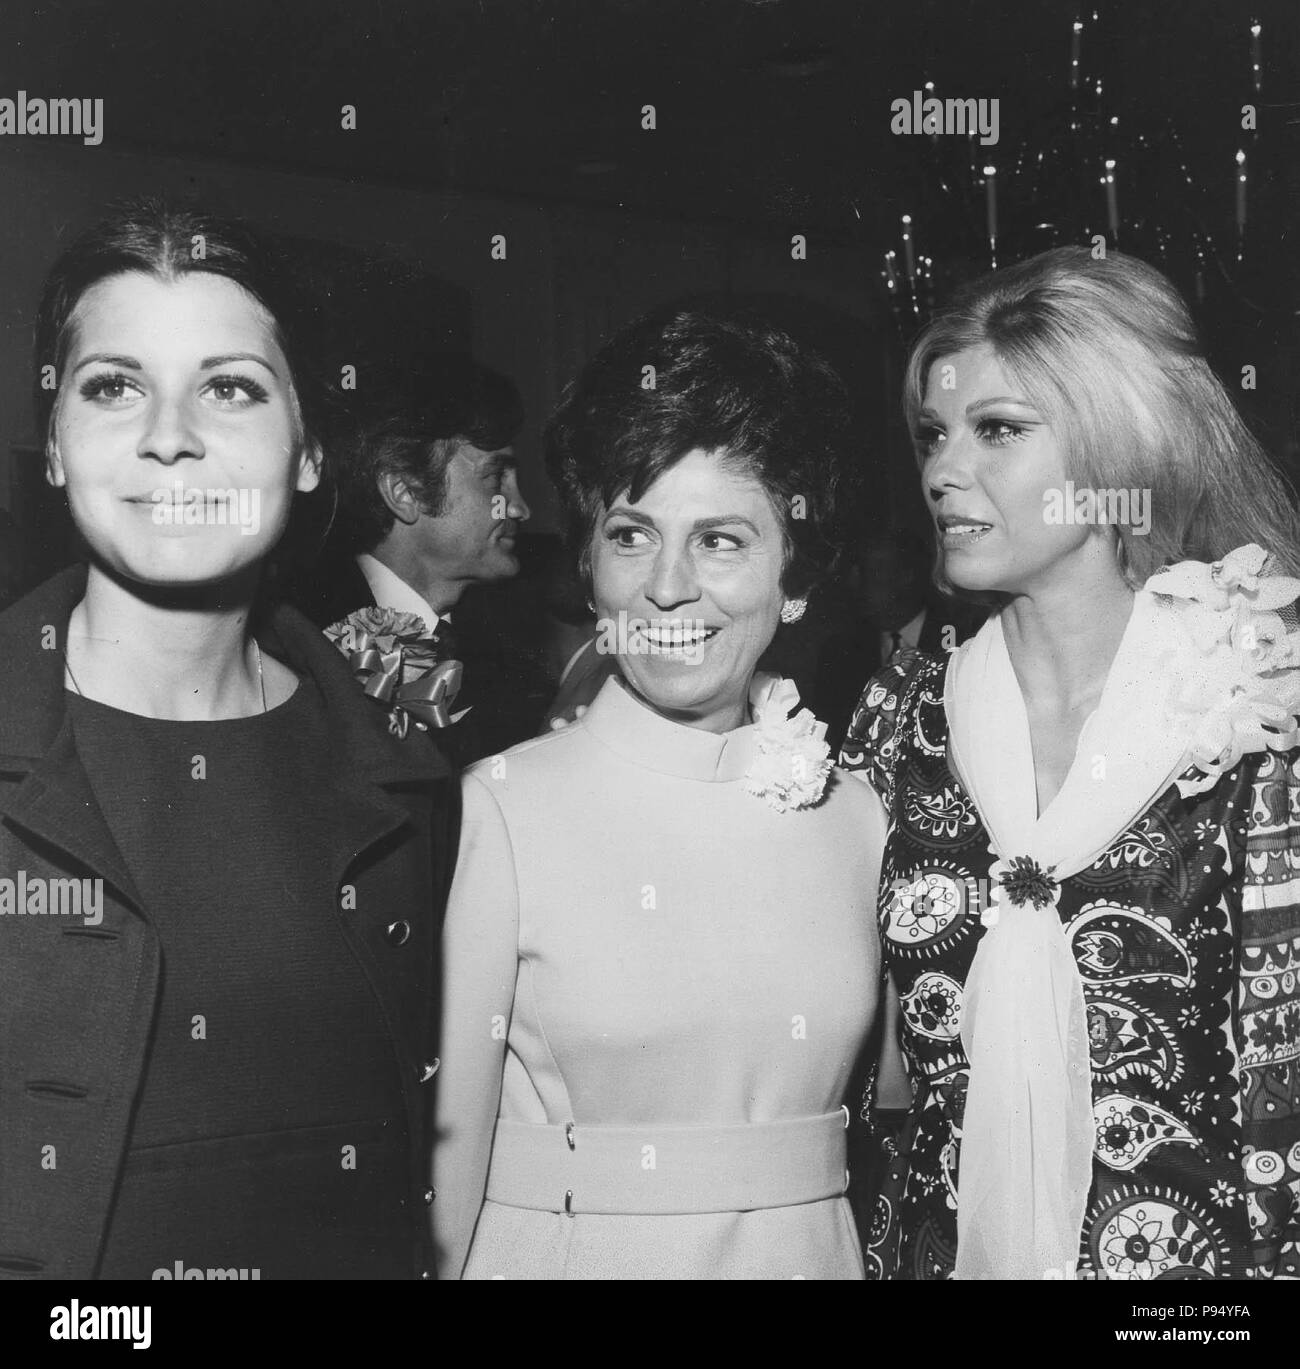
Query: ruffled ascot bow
{"x": 1206, "y": 672}
{"x": 395, "y": 659}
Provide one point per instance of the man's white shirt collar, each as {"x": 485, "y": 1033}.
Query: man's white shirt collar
{"x": 391, "y": 591}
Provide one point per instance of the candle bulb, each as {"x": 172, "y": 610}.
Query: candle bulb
{"x": 1241, "y": 193}
{"x": 1075, "y": 38}
{"x": 908, "y": 256}
{"x": 1112, "y": 201}
{"x": 1256, "y": 65}
{"x": 991, "y": 204}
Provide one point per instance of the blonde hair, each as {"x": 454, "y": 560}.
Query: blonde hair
{"x": 1107, "y": 352}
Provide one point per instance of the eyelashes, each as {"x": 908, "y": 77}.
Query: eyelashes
{"x": 256, "y": 393}
{"x": 496, "y": 477}
{"x": 735, "y": 543}
{"x": 98, "y": 387}
{"x": 993, "y": 432}
{"x": 925, "y": 440}
{"x": 617, "y": 535}
{"x": 113, "y": 388}
{"x": 1006, "y": 432}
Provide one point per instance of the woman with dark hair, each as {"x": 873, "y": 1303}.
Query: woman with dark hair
{"x": 660, "y": 955}
{"x": 217, "y": 1038}
{"x": 1090, "y": 908}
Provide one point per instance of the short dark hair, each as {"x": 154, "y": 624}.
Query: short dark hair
{"x": 169, "y": 241}
{"x": 410, "y": 423}
{"x": 725, "y": 380}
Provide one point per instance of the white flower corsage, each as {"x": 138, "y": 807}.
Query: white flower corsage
{"x": 793, "y": 761}
{"x": 1237, "y": 690}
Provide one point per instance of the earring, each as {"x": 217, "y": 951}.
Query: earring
{"x": 592, "y": 607}
{"x": 793, "y": 609}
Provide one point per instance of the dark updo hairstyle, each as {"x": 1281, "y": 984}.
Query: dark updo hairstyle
{"x": 168, "y": 242}
{"x": 725, "y": 381}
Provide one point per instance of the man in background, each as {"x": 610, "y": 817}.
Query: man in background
{"x": 428, "y": 505}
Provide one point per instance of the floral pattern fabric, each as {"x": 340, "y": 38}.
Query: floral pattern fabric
{"x": 1186, "y": 932}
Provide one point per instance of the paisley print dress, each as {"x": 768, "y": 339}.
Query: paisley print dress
{"x": 1186, "y": 932}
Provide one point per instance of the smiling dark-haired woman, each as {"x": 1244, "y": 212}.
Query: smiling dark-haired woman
{"x": 660, "y": 952}
{"x": 224, "y": 1065}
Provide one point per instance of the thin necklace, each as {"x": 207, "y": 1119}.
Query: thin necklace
{"x": 261, "y": 681}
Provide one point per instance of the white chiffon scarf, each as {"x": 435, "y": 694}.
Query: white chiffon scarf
{"x": 1028, "y": 1132}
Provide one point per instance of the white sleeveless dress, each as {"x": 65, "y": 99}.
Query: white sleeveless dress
{"x": 633, "y": 939}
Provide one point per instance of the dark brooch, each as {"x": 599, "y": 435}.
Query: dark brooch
{"x": 1027, "y": 882}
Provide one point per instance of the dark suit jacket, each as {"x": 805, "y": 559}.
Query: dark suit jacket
{"x": 77, "y": 1003}
{"x": 335, "y": 589}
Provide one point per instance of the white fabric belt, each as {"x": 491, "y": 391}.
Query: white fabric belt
{"x": 665, "y": 1170}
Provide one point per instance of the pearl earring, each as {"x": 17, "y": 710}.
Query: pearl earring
{"x": 793, "y": 609}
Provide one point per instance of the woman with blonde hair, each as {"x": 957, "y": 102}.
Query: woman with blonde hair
{"x": 1089, "y": 904}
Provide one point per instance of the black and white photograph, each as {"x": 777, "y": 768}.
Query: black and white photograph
{"x": 649, "y": 641}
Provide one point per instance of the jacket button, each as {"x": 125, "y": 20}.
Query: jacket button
{"x": 398, "y": 933}
{"x": 428, "y": 1070}
{"x": 429, "y": 1196}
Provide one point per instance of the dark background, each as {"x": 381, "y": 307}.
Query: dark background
{"x": 523, "y": 117}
